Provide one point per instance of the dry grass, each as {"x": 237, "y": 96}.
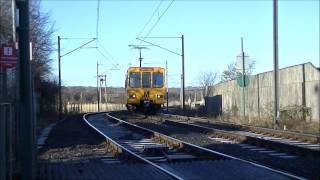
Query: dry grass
{"x": 298, "y": 125}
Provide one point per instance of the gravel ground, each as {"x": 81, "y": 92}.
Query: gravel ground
{"x": 72, "y": 139}
{"x": 73, "y": 151}
{"x": 306, "y": 167}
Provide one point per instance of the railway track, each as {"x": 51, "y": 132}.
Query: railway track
{"x": 173, "y": 158}
{"x": 305, "y": 166}
{"x": 74, "y": 151}
{"x": 304, "y": 137}
{"x": 289, "y": 142}
{"x": 125, "y": 144}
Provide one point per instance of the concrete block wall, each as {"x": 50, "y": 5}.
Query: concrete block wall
{"x": 299, "y": 86}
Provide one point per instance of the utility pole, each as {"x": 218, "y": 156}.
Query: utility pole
{"x": 167, "y": 90}
{"x": 26, "y": 116}
{"x": 243, "y": 82}
{"x": 183, "y": 75}
{"x": 59, "y": 64}
{"x": 275, "y": 64}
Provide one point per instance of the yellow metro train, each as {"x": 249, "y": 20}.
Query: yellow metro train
{"x": 145, "y": 88}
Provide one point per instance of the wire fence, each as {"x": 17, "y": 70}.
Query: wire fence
{"x": 75, "y": 108}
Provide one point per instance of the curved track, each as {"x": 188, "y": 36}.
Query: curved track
{"x": 113, "y": 135}
{"x": 251, "y": 149}
{"x": 175, "y": 158}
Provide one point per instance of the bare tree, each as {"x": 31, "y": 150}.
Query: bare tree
{"x": 232, "y": 73}
{"x": 41, "y": 31}
{"x": 207, "y": 81}
{"x": 5, "y": 21}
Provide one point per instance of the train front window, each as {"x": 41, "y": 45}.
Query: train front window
{"x": 157, "y": 80}
{"x": 135, "y": 80}
{"x": 146, "y": 80}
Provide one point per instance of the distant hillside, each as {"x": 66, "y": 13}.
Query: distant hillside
{"x": 88, "y": 94}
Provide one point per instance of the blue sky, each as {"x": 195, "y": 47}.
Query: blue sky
{"x": 212, "y": 30}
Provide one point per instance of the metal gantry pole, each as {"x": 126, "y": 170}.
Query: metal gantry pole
{"x": 183, "y": 75}
{"x": 26, "y": 117}
{"x": 275, "y": 64}
{"x": 59, "y": 64}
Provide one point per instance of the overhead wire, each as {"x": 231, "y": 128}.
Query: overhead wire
{"x": 159, "y": 18}
{"x": 105, "y": 57}
{"x": 107, "y": 52}
{"x": 149, "y": 20}
{"x": 99, "y": 44}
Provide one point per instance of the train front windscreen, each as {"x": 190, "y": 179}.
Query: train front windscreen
{"x": 157, "y": 80}
{"x": 146, "y": 80}
{"x": 135, "y": 80}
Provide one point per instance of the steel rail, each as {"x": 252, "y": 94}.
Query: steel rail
{"x": 192, "y": 146}
{"x": 278, "y": 133}
{"x": 167, "y": 139}
{"x": 123, "y": 149}
{"x": 287, "y": 147}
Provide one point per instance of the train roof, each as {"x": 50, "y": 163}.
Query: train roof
{"x": 145, "y": 69}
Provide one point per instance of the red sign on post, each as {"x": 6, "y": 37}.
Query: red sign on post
{"x": 8, "y": 56}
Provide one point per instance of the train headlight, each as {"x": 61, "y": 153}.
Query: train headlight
{"x": 159, "y": 96}
{"x": 132, "y": 96}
